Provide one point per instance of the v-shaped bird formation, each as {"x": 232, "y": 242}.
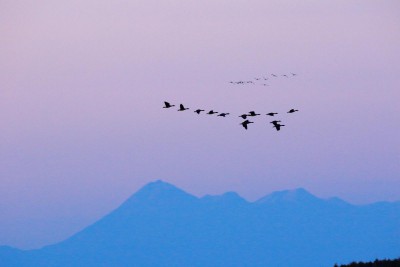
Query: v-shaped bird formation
{"x": 276, "y": 123}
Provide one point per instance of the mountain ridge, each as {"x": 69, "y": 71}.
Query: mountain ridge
{"x": 162, "y": 225}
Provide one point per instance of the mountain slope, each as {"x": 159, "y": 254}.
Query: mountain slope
{"x": 161, "y": 225}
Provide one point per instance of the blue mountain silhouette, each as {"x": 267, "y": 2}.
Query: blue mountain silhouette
{"x": 161, "y": 225}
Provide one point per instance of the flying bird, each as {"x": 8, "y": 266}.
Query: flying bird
{"x": 212, "y": 112}
{"x": 278, "y": 126}
{"x": 275, "y": 122}
{"x": 243, "y": 116}
{"x": 182, "y": 108}
{"x": 274, "y": 75}
{"x": 198, "y": 111}
{"x": 168, "y": 105}
{"x": 223, "y": 114}
{"x": 292, "y": 110}
{"x": 293, "y": 74}
{"x": 253, "y": 114}
{"x": 245, "y": 123}
{"x": 271, "y": 114}
{"x": 284, "y": 75}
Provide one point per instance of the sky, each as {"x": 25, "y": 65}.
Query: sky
{"x": 82, "y": 85}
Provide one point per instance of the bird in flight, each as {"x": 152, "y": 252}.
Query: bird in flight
{"x": 275, "y": 122}
{"x": 198, "y": 111}
{"x": 274, "y": 75}
{"x": 271, "y": 114}
{"x": 245, "y": 123}
{"x": 284, "y": 75}
{"x": 212, "y": 112}
{"x": 243, "y": 116}
{"x": 223, "y": 114}
{"x": 168, "y": 105}
{"x": 293, "y": 74}
{"x": 252, "y": 114}
{"x": 292, "y": 110}
{"x": 182, "y": 108}
{"x": 278, "y": 126}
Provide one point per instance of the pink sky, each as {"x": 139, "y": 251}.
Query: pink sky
{"x": 82, "y": 84}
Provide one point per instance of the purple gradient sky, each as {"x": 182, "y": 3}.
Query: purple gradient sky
{"x": 82, "y": 85}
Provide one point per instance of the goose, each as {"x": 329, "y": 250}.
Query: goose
{"x": 271, "y": 114}
{"x": 275, "y": 122}
{"x": 292, "y": 110}
{"x": 212, "y": 112}
{"x": 182, "y": 108}
{"x": 243, "y": 116}
{"x": 223, "y": 114}
{"x": 245, "y": 123}
{"x": 168, "y": 105}
{"x": 274, "y": 75}
{"x": 198, "y": 111}
{"x": 278, "y": 126}
{"x": 253, "y": 114}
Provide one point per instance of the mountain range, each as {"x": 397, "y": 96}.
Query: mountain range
{"x": 161, "y": 225}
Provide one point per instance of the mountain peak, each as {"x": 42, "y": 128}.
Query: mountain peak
{"x": 158, "y": 185}
{"x": 160, "y": 191}
{"x": 227, "y": 197}
{"x": 298, "y": 195}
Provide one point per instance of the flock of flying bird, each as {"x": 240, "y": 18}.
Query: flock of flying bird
{"x": 276, "y": 123}
{"x": 262, "y": 80}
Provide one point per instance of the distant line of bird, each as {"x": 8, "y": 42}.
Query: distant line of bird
{"x": 262, "y": 79}
{"x": 276, "y": 123}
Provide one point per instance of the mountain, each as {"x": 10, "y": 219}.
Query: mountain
{"x": 161, "y": 225}
{"x": 299, "y": 195}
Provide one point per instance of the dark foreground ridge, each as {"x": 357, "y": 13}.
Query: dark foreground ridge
{"x": 161, "y": 225}
{"x": 375, "y": 263}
